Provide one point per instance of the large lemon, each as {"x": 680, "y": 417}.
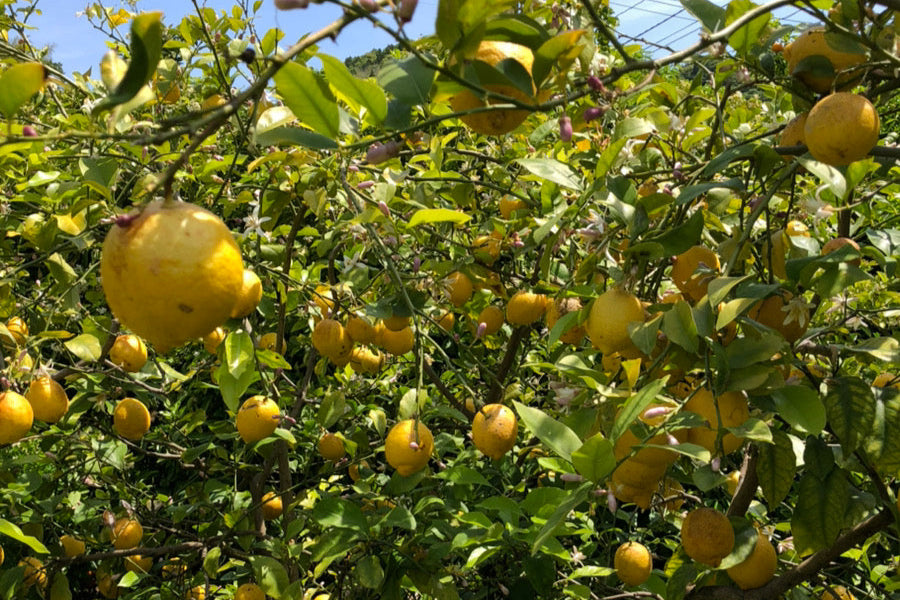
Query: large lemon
{"x": 728, "y": 410}
{"x": 759, "y": 568}
{"x": 16, "y": 417}
{"x": 172, "y": 273}
{"x": 813, "y": 42}
{"x": 707, "y": 536}
{"x": 495, "y": 122}
{"x": 633, "y": 563}
{"x": 48, "y": 399}
{"x": 841, "y": 128}
{"x": 408, "y": 446}
{"x": 607, "y": 323}
{"x": 257, "y": 418}
{"x": 494, "y": 430}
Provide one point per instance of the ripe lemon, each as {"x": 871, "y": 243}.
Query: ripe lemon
{"x": 330, "y": 339}
{"x": 396, "y": 322}
{"x": 508, "y": 206}
{"x": 690, "y": 271}
{"x": 129, "y": 352}
{"x": 394, "y": 342}
{"x": 363, "y": 360}
{"x": 492, "y": 317}
{"x": 126, "y": 533}
{"x": 138, "y": 564}
{"x": 884, "y": 380}
{"x": 840, "y": 593}
{"x": 626, "y": 493}
{"x": 48, "y": 399}
{"x": 775, "y": 312}
{"x": 272, "y": 506}
{"x": 560, "y": 308}
{"x": 2, "y": 556}
{"x": 792, "y": 134}
{"x": 707, "y": 536}
{"x": 35, "y": 573}
{"x": 331, "y": 447}
{"x": 459, "y": 288}
{"x": 267, "y": 341}
{"x": 446, "y": 321}
{"x": 106, "y": 584}
{"x": 524, "y": 308}
{"x": 172, "y": 273}
{"x": 408, "y": 446}
{"x": 731, "y": 481}
{"x": 841, "y": 128}
{"x": 72, "y": 546}
{"x": 257, "y": 419}
{"x": 213, "y": 339}
{"x": 16, "y": 417}
{"x": 198, "y": 592}
{"x": 759, "y": 568}
{"x": 813, "y": 42}
{"x": 733, "y": 411}
{"x": 633, "y": 563}
{"x": 607, "y": 323}
{"x": 18, "y": 329}
{"x": 249, "y": 591}
{"x": 501, "y": 121}
{"x": 487, "y": 247}
{"x": 360, "y": 330}
{"x": 249, "y": 296}
{"x": 494, "y": 430}
{"x": 131, "y": 419}
{"x": 838, "y": 243}
{"x": 639, "y": 475}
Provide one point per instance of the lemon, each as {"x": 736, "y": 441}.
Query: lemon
{"x": 396, "y": 322}
{"x": 446, "y": 320}
{"x": 18, "y": 329}
{"x": 494, "y": 430}
{"x": 792, "y": 134}
{"x": 272, "y": 506}
{"x": 267, "y": 341}
{"x": 363, "y": 360}
{"x": 487, "y": 247}
{"x": 607, "y": 323}
{"x": 249, "y": 296}
{"x": 138, "y": 564}
{"x": 408, "y": 446}
{"x": 127, "y": 533}
{"x": 48, "y": 399}
{"x": 331, "y": 447}
{"x": 459, "y": 288}
{"x": 626, "y": 493}
{"x": 330, "y": 339}
{"x": 394, "y": 342}
{"x": 257, "y": 419}
{"x": 172, "y": 273}
{"x": 72, "y": 546}
{"x": 841, "y": 128}
{"x": 360, "y": 330}
{"x": 838, "y": 243}
{"x": 129, "y": 352}
{"x": 249, "y": 591}
{"x": 707, "y": 536}
{"x": 198, "y": 592}
{"x": 775, "y": 312}
{"x": 131, "y": 419}
{"x": 492, "y": 317}
{"x": 633, "y": 563}
{"x": 690, "y": 271}
{"x": 840, "y": 593}
{"x": 16, "y": 417}
{"x": 813, "y": 42}
{"x": 501, "y": 121}
{"x": 35, "y": 573}
{"x": 732, "y": 411}
{"x": 524, "y": 308}
{"x": 508, "y": 206}
{"x": 759, "y": 568}
{"x": 560, "y": 308}
{"x": 213, "y": 339}
{"x": 639, "y": 475}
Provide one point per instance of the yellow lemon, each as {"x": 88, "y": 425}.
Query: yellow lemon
{"x": 494, "y": 430}
{"x": 707, "y": 536}
{"x": 607, "y": 323}
{"x": 841, "y": 128}
{"x": 759, "y": 568}
{"x": 249, "y": 296}
{"x": 775, "y": 312}
{"x": 813, "y": 42}
{"x": 633, "y": 563}
{"x": 524, "y": 308}
{"x": 396, "y": 322}
{"x": 131, "y": 419}
{"x": 138, "y": 564}
{"x": 360, "y": 330}
{"x": 272, "y": 506}
{"x": 249, "y": 591}
{"x": 408, "y": 446}
{"x": 330, "y": 338}
{"x": 331, "y": 447}
{"x": 363, "y": 360}
{"x": 459, "y": 288}
{"x": 35, "y": 573}
{"x": 16, "y": 417}
{"x": 126, "y": 533}
{"x": 257, "y": 419}
{"x": 129, "y": 352}
{"x": 394, "y": 342}
{"x": 172, "y": 273}
{"x": 213, "y": 339}
{"x": 492, "y": 317}
{"x": 732, "y": 411}
{"x": 72, "y": 546}
{"x": 691, "y": 271}
{"x": 267, "y": 341}
{"x": 840, "y": 593}
{"x": 560, "y": 308}
{"x": 18, "y": 329}
{"x": 48, "y": 399}
{"x": 508, "y": 206}
{"x": 792, "y": 134}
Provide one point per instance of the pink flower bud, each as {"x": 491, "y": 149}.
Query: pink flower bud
{"x": 611, "y": 503}
{"x": 29, "y": 131}
{"x": 364, "y": 185}
{"x": 479, "y": 333}
{"x": 592, "y": 113}
{"x": 406, "y": 9}
{"x": 291, "y": 4}
{"x": 574, "y": 477}
{"x": 595, "y": 84}
{"x": 565, "y": 128}
{"x": 656, "y": 412}
{"x": 417, "y": 264}
{"x": 672, "y": 440}
{"x": 353, "y": 168}
{"x": 716, "y": 464}
{"x": 413, "y": 446}
{"x": 369, "y": 5}
{"x": 383, "y": 207}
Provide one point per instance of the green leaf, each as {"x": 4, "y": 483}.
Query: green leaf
{"x": 801, "y": 407}
{"x": 146, "y": 49}
{"x": 12, "y": 530}
{"x": 18, "y": 84}
{"x": 711, "y": 16}
{"x": 672, "y": 241}
{"x": 678, "y": 325}
{"x": 883, "y": 446}
{"x": 409, "y": 80}
{"x": 438, "y": 215}
{"x": 552, "y": 170}
{"x": 634, "y": 406}
{"x": 827, "y": 174}
{"x": 60, "y": 589}
{"x": 776, "y": 468}
{"x": 369, "y": 572}
{"x": 595, "y": 459}
{"x": 270, "y": 575}
{"x": 85, "y": 346}
{"x": 819, "y": 515}
{"x": 750, "y": 35}
{"x": 294, "y": 136}
{"x": 336, "y": 512}
{"x": 363, "y": 92}
{"x": 560, "y": 514}
{"x": 238, "y": 368}
{"x": 331, "y": 409}
{"x": 562, "y": 48}
{"x": 591, "y": 572}
{"x": 745, "y": 351}
{"x": 399, "y": 516}
{"x": 309, "y": 98}
{"x": 885, "y": 349}
{"x": 850, "y": 406}
{"x": 690, "y": 192}
{"x": 718, "y": 164}
{"x": 559, "y": 438}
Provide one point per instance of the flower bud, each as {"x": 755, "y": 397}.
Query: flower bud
{"x": 479, "y": 333}
{"x": 406, "y": 9}
{"x": 364, "y": 185}
{"x": 368, "y": 5}
{"x": 565, "y": 128}
{"x": 291, "y": 4}
{"x": 29, "y": 131}
{"x": 383, "y": 207}
{"x": 595, "y": 84}
{"x": 592, "y": 113}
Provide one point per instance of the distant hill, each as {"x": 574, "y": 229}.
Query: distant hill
{"x": 369, "y": 63}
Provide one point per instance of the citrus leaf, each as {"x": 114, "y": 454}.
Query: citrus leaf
{"x": 776, "y": 468}
{"x": 819, "y": 515}
{"x": 552, "y": 170}
{"x": 634, "y": 406}
{"x": 84, "y": 346}
{"x": 886, "y": 349}
{"x": 309, "y": 98}
{"x": 883, "y": 444}
{"x": 369, "y": 572}
{"x": 678, "y": 325}
{"x": 19, "y": 83}
{"x": 747, "y": 36}
{"x": 146, "y": 48}
{"x": 365, "y": 93}
{"x": 562, "y": 48}
{"x": 554, "y": 434}
{"x": 294, "y": 136}
{"x": 12, "y": 530}
{"x": 409, "y": 81}
{"x": 711, "y": 16}
{"x": 559, "y": 515}
{"x": 595, "y": 459}
{"x": 850, "y": 406}
{"x": 336, "y": 512}
{"x": 437, "y": 215}
{"x": 270, "y": 575}
{"x": 801, "y": 407}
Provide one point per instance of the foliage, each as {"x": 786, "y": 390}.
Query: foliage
{"x": 360, "y": 195}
